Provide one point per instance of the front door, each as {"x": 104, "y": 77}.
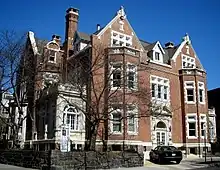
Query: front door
{"x": 161, "y": 138}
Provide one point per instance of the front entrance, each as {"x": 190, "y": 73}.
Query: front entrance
{"x": 161, "y": 133}
{"x": 161, "y": 138}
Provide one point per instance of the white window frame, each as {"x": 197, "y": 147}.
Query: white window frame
{"x": 132, "y": 110}
{"x": 201, "y": 86}
{"x": 188, "y": 61}
{"x": 186, "y": 87}
{"x": 132, "y": 68}
{"x": 120, "y": 39}
{"x": 111, "y": 76}
{"x": 203, "y": 119}
{"x": 116, "y": 111}
{"x": 188, "y": 120}
{"x": 77, "y": 120}
{"x": 163, "y": 82}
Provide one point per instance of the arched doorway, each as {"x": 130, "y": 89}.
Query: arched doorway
{"x": 161, "y": 133}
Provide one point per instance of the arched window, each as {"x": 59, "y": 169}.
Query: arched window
{"x": 72, "y": 117}
{"x": 161, "y": 125}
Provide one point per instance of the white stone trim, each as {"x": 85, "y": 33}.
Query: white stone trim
{"x": 187, "y": 125}
{"x": 129, "y": 142}
{"x": 161, "y": 64}
{"x": 33, "y": 42}
{"x": 126, "y": 39}
{"x": 188, "y": 60}
{"x": 163, "y": 82}
{"x": 201, "y": 86}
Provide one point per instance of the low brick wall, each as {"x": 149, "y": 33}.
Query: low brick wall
{"x": 46, "y": 160}
{"x": 25, "y": 158}
{"x": 95, "y": 160}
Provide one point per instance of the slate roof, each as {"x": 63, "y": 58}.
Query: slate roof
{"x": 84, "y": 36}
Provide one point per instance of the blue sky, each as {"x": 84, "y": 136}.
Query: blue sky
{"x": 152, "y": 20}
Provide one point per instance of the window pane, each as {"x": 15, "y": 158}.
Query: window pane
{"x": 117, "y": 122}
{"x": 192, "y": 125}
{"x": 201, "y": 95}
{"x": 190, "y": 95}
{"x": 192, "y": 133}
{"x": 159, "y": 91}
{"x": 157, "y": 56}
{"x": 131, "y": 79}
{"x": 165, "y": 92}
{"x": 153, "y": 89}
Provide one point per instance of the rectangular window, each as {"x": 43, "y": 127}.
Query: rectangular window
{"x": 117, "y": 75}
{"x": 116, "y": 121}
{"x": 160, "y": 88}
{"x": 52, "y": 56}
{"x": 203, "y": 125}
{"x": 165, "y": 92}
{"x": 153, "y": 89}
{"x": 157, "y": 56}
{"x": 132, "y": 119}
{"x": 188, "y": 62}
{"x": 189, "y": 87}
{"x": 201, "y": 92}
{"x": 120, "y": 39}
{"x": 131, "y": 76}
{"x": 192, "y": 129}
{"x": 191, "y": 120}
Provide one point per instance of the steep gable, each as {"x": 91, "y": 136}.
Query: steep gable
{"x": 120, "y": 27}
{"x": 185, "y": 55}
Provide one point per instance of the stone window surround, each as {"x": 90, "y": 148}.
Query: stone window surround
{"x": 134, "y": 69}
{"x": 203, "y": 119}
{"x": 194, "y": 120}
{"x": 135, "y": 109}
{"x": 201, "y": 86}
{"x": 163, "y": 82}
{"x": 120, "y": 37}
{"x": 189, "y": 87}
{"x": 188, "y": 61}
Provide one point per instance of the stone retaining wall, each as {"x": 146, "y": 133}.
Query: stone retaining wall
{"x": 71, "y": 160}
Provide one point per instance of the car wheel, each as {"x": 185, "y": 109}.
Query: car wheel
{"x": 160, "y": 160}
{"x": 178, "y": 161}
{"x": 151, "y": 159}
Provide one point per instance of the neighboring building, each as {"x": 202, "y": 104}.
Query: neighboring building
{"x": 213, "y": 96}
{"x": 6, "y": 98}
{"x": 175, "y": 111}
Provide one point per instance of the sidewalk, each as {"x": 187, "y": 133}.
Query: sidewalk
{"x": 10, "y": 167}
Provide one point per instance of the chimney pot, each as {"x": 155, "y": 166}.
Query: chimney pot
{"x": 56, "y": 38}
{"x": 98, "y": 27}
{"x": 72, "y": 10}
{"x": 169, "y": 45}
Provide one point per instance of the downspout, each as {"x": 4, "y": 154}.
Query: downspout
{"x": 197, "y": 111}
{"x": 123, "y": 100}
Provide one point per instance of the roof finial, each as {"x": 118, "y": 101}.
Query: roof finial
{"x": 121, "y": 12}
{"x": 186, "y": 38}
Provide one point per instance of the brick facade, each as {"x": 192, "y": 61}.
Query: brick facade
{"x": 167, "y": 68}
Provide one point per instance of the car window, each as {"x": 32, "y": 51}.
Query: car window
{"x": 168, "y": 148}
{"x": 156, "y": 148}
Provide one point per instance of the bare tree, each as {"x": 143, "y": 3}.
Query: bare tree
{"x": 17, "y": 77}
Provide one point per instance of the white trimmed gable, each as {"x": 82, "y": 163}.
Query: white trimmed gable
{"x": 120, "y": 14}
{"x": 158, "y": 53}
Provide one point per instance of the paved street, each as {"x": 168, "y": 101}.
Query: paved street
{"x": 193, "y": 164}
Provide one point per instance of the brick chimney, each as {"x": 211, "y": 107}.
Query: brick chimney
{"x": 72, "y": 16}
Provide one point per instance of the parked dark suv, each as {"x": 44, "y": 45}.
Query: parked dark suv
{"x": 163, "y": 154}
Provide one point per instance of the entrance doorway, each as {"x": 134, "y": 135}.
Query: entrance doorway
{"x": 161, "y": 133}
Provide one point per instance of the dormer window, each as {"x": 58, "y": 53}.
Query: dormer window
{"x": 52, "y": 56}
{"x": 157, "y": 56}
